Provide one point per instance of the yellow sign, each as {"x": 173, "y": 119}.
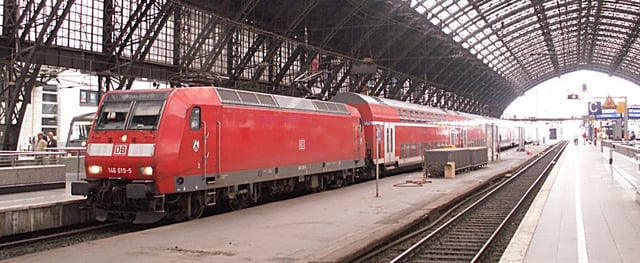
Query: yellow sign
{"x": 609, "y": 104}
{"x": 621, "y": 108}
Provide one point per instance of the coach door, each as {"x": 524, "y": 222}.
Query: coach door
{"x": 389, "y": 143}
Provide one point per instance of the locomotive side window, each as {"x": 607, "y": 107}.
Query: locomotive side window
{"x": 113, "y": 116}
{"x": 145, "y": 115}
{"x": 194, "y": 120}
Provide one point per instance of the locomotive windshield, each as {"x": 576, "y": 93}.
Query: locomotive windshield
{"x": 131, "y": 111}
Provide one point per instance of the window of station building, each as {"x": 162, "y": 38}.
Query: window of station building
{"x": 89, "y": 98}
{"x": 49, "y": 108}
{"x": 49, "y": 121}
{"x": 49, "y": 97}
{"x": 50, "y": 88}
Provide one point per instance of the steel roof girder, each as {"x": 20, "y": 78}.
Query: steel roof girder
{"x": 273, "y": 47}
{"x": 334, "y": 89}
{"x": 381, "y": 82}
{"x": 331, "y": 80}
{"x": 231, "y": 30}
{"x": 147, "y": 41}
{"x": 412, "y": 87}
{"x": 32, "y": 20}
{"x": 196, "y": 45}
{"x": 628, "y": 43}
{"x": 593, "y": 31}
{"x": 247, "y": 56}
{"x": 132, "y": 25}
{"x": 297, "y": 52}
{"x": 396, "y": 89}
{"x": 12, "y": 24}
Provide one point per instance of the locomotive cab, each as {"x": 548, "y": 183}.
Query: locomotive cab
{"x": 122, "y": 162}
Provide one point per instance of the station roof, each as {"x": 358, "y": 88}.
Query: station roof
{"x": 489, "y": 50}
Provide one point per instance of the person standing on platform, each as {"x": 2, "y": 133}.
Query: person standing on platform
{"x": 632, "y": 136}
{"x": 51, "y": 142}
{"x": 41, "y": 146}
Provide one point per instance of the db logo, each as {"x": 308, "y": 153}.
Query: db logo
{"x": 120, "y": 149}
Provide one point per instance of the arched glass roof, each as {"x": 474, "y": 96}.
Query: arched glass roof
{"x": 528, "y": 42}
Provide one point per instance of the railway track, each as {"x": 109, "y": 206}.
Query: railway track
{"x": 474, "y": 229}
{"x": 14, "y": 246}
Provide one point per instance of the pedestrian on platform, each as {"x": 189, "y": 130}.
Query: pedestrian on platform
{"x": 41, "y": 146}
{"x": 632, "y": 136}
{"x": 51, "y": 142}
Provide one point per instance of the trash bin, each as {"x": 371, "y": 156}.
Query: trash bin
{"x": 450, "y": 170}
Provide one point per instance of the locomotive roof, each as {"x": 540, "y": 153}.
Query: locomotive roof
{"x": 255, "y": 99}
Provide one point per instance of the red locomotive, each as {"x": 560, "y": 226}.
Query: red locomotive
{"x": 171, "y": 153}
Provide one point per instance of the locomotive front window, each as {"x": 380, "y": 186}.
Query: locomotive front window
{"x": 113, "y": 116}
{"x": 145, "y": 115}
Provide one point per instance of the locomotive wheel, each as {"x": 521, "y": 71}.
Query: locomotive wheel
{"x": 196, "y": 205}
{"x": 241, "y": 201}
{"x": 339, "y": 181}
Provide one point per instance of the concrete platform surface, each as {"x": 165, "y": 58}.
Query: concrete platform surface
{"x": 321, "y": 227}
{"x": 585, "y": 212}
{"x": 39, "y": 210}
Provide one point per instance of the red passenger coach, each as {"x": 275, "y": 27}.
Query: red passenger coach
{"x": 157, "y": 153}
{"x": 404, "y": 130}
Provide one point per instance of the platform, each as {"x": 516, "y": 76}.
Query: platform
{"x": 323, "y": 227}
{"x": 38, "y": 210}
{"x": 586, "y": 211}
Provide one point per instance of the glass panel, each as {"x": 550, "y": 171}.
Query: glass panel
{"x": 228, "y": 95}
{"x": 194, "y": 120}
{"x": 49, "y": 108}
{"x": 113, "y": 116}
{"x": 79, "y": 131}
{"x": 49, "y": 121}
{"x": 49, "y": 97}
{"x": 266, "y": 99}
{"x": 146, "y": 115}
{"x": 248, "y": 97}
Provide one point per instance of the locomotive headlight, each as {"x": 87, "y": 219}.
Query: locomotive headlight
{"x": 146, "y": 170}
{"x": 83, "y": 144}
{"x": 95, "y": 169}
{"x": 123, "y": 138}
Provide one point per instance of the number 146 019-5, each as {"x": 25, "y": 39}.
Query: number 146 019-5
{"x": 120, "y": 170}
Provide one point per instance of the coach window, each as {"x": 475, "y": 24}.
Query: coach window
{"x": 195, "y": 120}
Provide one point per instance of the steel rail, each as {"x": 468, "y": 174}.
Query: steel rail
{"x": 410, "y": 251}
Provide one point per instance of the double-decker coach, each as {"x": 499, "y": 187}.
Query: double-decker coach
{"x": 403, "y": 131}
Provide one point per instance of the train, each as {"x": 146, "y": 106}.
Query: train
{"x": 79, "y": 130}
{"x": 172, "y": 153}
